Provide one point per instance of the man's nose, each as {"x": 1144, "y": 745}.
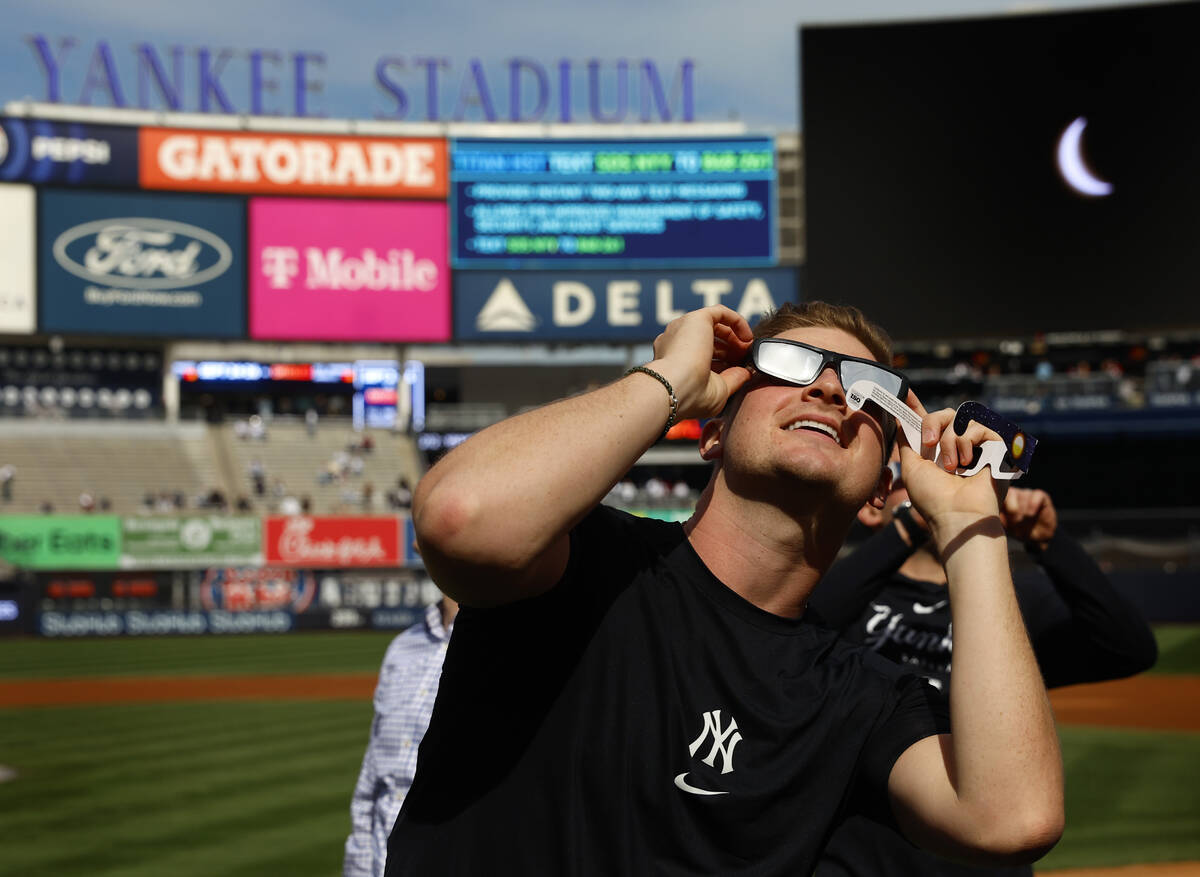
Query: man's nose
{"x": 828, "y": 387}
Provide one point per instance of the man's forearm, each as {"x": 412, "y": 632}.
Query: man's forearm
{"x": 1007, "y": 764}
{"x": 504, "y": 497}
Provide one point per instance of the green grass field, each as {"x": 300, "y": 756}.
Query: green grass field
{"x": 263, "y": 788}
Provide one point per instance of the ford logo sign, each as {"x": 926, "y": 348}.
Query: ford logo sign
{"x": 3, "y": 145}
{"x": 142, "y": 253}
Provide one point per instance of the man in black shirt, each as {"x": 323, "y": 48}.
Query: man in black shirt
{"x": 890, "y": 595}
{"x": 624, "y": 696}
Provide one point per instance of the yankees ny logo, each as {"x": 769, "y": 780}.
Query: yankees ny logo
{"x": 724, "y": 741}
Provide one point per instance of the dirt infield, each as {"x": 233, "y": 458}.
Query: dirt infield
{"x": 1166, "y": 869}
{"x": 1160, "y": 703}
{"x": 162, "y": 689}
{"x": 1147, "y": 701}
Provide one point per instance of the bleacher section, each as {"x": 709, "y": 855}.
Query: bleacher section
{"x": 57, "y": 460}
{"x": 291, "y": 456}
{"x": 124, "y": 461}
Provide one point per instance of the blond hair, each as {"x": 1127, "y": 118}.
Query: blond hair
{"x": 820, "y": 313}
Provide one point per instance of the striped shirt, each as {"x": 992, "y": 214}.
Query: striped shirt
{"x": 408, "y": 683}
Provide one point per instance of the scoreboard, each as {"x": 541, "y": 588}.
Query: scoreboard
{"x": 575, "y": 203}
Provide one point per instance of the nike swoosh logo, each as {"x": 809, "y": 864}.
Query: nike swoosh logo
{"x": 922, "y": 609}
{"x": 682, "y": 783}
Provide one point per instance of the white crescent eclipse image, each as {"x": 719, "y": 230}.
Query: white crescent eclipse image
{"x": 1071, "y": 166}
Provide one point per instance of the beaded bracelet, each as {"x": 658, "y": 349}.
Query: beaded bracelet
{"x": 670, "y": 392}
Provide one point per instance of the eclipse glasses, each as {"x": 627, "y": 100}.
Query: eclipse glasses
{"x": 800, "y": 364}
{"x": 865, "y": 380}
{"x": 1008, "y": 457}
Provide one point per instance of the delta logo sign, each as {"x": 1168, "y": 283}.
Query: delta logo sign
{"x": 607, "y": 305}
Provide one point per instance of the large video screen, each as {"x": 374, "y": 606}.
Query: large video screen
{"x": 555, "y": 204}
{"x": 1006, "y": 175}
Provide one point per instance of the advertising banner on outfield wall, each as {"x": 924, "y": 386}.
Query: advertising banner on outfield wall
{"x": 292, "y": 164}
{"x": 160, "y": 622}
{"x": 142, "y": 264}
{"x": 339, "y": 598}
{"x": 16, "y": 609}
{"x": 227, "y": 600}
{"x": 80, "y": 591}
{"x": 333, "y": 541}
{"x": 252, "y": 589}
{"x": 178, "y": 543}
{"x": 605, "y": 305}
{"x": 60, "y": 542}
{"x": 348, "y": 271}
{"x": 70, "y": 153}
{"x": 18, "y": 276}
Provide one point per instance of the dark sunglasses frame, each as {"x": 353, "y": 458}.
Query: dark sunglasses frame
{"x": 828, "y": 358}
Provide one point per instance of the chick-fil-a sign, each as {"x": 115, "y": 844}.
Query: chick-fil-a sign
{"x": 349, "y": 270}
{"x": 333, "y": 542}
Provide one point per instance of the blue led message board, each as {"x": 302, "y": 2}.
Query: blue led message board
{"x": 574, "y": 203}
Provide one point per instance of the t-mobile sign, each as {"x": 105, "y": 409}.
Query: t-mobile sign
{"x": 349, "y": 270}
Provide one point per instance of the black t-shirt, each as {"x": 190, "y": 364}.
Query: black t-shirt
{"x": 863, "y": 848}
{"x": 908, "y": 622}
{"x": 1080, "y": 627}
{"x": 642, "y": 718}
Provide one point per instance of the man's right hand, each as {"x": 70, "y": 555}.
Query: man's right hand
{"x": 701, "y": 353}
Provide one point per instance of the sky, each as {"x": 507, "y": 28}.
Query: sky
{"x": 744, "y": 54}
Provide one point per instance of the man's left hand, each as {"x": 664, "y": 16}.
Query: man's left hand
{"x": 1029, "y": 516}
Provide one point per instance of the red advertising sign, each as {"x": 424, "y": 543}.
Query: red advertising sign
{"x": 295, "y": 164}
{"x": 333, "y": 542}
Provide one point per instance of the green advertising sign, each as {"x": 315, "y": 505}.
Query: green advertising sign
{"x": 209, "y": 540}
{"x": 61, "y": 542}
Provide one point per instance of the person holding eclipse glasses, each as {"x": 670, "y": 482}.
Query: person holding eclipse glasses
{"x": 630, "y": 696}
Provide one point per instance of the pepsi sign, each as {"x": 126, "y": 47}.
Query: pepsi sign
{"x": 38, "y": 151}
{"x": 142, "y": 264}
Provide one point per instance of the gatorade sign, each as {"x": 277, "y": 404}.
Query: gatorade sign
{"x": 293, "y": 164}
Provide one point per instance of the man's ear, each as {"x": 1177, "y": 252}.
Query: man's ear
{"x": 710, "y": 438}
{"x": 870, "y": 517}
{"x": 882, "y": 488}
